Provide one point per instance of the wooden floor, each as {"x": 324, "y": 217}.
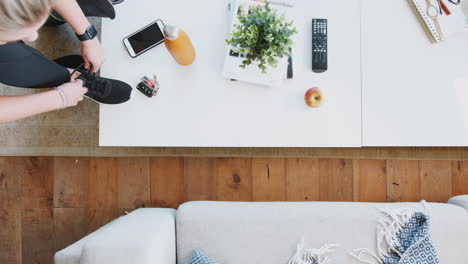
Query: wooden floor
{"x": 48, "y": 203}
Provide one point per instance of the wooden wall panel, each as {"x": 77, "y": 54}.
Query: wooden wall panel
{"x": 70, "y": 182}
{"x": 336, "y": 179}
{"x": 268, "y": 179}
{"x": 102, "y": 194}
{"x": 200, "y": 179}
{"x": 370, "y": 180}
{"x": 459, "y": 177}
{"x": 402, "y": 181}
{"x": 167, "y": 182}
{"x": 133, "y": 182}
{"x": 10, "y": 173}
{"x": 234, "y": 179}
{"x": 70, "y": 225}
{"x": 11, "y": 208}
{"x": 302, "y": 179}
{"x": 37, "y": 223}
{"x": 435, "y": 180}
{"x": 11, "y": 229}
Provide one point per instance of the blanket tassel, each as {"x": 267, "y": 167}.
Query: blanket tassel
{"x": 311, "y": 255}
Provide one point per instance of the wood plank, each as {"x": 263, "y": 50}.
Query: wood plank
{"x": 133, "y": 182}
{"x": 10, "y": 173}
{"x": 70, "y": 182}
{"x": 336, "y": 179}
{"x": 200, "y": 179}
{"x": 70, "y": 225}
{"x": 302, "y": 179}
{"x": 369, "y": 180}
{"x": 235, "y": 179}
{"x": 435, "y": 180}
{"x": 37, "y": 220}
{"x": 167, "y": 182}
{"x": 11, "y": 229}
{"x": 460, "y": 177}
{"x": 11, "y": 207}
{"x": 403, "y": 181}
{"x": 268, "y": 179}
{"x": 102, "y": 193}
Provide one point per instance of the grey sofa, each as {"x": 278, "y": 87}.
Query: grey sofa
{"x": 257, "y": 232}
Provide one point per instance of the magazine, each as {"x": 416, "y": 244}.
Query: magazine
{"x": 251, "y": 73}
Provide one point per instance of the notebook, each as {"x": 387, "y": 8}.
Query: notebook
{"x": 443, "y": 26}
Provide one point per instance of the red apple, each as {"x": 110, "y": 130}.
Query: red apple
{"x": 314, "y": 97}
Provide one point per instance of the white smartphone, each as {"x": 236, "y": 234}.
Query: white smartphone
{"x": 144, "y": 39}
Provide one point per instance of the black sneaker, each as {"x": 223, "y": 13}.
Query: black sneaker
{"x": 91, "y": 8}
{"x": 103, "y": 90}
{"x": 116, "y": 2}
{"x": 97, "y": 8}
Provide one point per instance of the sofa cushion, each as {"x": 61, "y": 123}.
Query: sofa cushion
{"x": 72, "y": 253}
{"x": 146, "y": 235}
{"x": 236, "y": 232}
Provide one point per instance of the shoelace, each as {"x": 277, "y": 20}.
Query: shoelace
{"x": 95, "y": 84}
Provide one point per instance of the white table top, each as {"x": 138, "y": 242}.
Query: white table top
{"x": 197, "y": 107}
{"x": 414, "y": 93}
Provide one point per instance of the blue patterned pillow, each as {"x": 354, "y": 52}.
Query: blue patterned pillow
{"x": 199, "y": 258}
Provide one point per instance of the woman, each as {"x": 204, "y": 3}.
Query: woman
{"x": 72, "y": 77}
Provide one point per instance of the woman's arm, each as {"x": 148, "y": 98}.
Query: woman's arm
{"x": 92, "y": 51}
{"x": 13, "y": 108}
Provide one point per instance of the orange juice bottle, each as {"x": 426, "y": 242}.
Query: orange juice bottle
{"x": 179, "y": 45}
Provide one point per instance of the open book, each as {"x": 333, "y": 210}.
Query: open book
{"x": 439, "y": 26}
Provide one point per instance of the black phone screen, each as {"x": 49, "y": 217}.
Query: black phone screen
{"x": 146, "y": 38}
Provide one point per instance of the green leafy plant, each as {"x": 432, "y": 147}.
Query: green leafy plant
{"x": 262, "y": 36}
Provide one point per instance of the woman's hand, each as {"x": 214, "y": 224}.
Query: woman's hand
{"x": 71, "y": 93}
{"x": 93, "y": 54}
{"x": 91, "y": 50}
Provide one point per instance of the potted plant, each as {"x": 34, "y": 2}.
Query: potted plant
{"x": 262, "y": 36}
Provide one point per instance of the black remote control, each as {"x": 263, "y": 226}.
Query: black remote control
{"x": 319, "y": 45}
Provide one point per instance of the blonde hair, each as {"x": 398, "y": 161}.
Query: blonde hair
{"x": 17, "y": 14}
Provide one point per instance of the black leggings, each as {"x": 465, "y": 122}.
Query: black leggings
{"x": 24, "y": 66}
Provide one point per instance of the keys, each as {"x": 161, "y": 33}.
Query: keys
{"x": 149, "y": 87}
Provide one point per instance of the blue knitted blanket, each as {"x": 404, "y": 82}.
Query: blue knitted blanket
{"x": 414, "y": 243}
{"x": 402, "y": 238}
